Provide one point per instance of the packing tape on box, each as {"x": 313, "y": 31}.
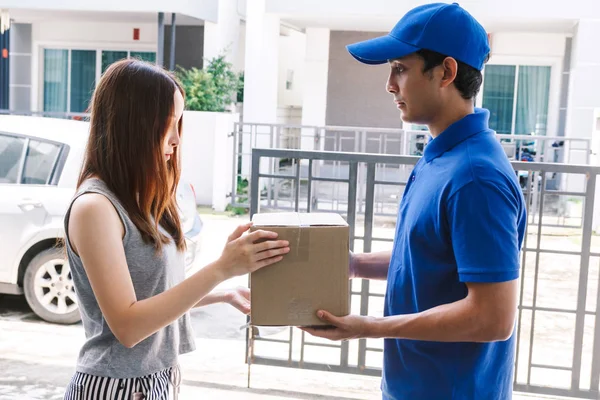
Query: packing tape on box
{"x": 299, "y": 245}
{"x": 299, "y": 238}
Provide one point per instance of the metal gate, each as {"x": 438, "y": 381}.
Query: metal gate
{"x": 247, "y": 136}
{"x": 558, "y": 339}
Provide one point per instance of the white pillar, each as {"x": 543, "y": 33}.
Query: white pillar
{"x": 223, "y": 36}
{"x": 262, "y": 67}
{"x": 207, "y": 156}
{"x": 584, "y": 87}
{"x": 583, "y": 113}
{"x": 260, "y": 78}
{"x": 316, "y": 69}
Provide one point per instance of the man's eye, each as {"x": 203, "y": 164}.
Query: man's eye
{"x": 399, "y": 68}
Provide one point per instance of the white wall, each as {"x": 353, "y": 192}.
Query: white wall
{"x": 205, "y": 9}
{"x": 289, "y": 115}
{"x": 207, "y": 156}
{"x": 595, "y": 160}
{"x": 527, "y": 44}
{"x": 94, "y": 33}
{"x": 223, "y": 36}
{"x": 292, "y": 50}
{"x": 85, "y": 35}
{"x": 392, "y": 9}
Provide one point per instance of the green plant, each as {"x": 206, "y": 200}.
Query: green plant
{"x": 242, "y": 185}
{"x": 199, "y": 90}
{"x": 236, "y": 210}
{"x": 212, "y": 88}
{"x": 241, "y": 197}
{"x": 240, "y": 90}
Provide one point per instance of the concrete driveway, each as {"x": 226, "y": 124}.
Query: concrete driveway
{"x": 37, "y": 359}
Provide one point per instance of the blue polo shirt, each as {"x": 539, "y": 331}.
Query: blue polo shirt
{"x": 461, "y": 219}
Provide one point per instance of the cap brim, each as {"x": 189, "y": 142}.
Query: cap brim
{"x": 379, "y": 50}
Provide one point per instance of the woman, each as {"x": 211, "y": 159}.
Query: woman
{"x": 126, "y": 248}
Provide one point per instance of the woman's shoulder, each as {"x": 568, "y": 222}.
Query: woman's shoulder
{"x": 94, "y": 209}
{"x": 93, "y": 215}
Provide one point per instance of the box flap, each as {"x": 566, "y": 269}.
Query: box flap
{"x": 276, "y": 219}
{"x": 298, "y": 219}
{"x": 327, "y": 219}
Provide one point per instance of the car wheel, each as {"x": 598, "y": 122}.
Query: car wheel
{"x": 48, "y": 287}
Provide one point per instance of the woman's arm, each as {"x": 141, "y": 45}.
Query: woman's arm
{"x": 238, "y": 298}
{"x": 131, "y": 320}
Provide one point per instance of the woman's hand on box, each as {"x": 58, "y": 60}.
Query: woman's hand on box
{"x": 247, "y": 253}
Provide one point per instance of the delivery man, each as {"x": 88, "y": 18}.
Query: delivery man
{"x": 452, "y": 275}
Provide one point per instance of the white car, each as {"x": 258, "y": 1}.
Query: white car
{"x": 40, "y": 160}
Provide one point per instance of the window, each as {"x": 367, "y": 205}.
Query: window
{"x": 532, "y": 100}
{"x": 56, "y": 67}
{"x": 11, "y": 150}
{"x": 70, "y": 76}
{"x": 39, "y": 163}
{"x": 498, "y": 96}
{"x": 144, "y": 55}
{"x": 83, "y": 79}
{"x": 109, "y": 57}
{"x": 517, "y": 97}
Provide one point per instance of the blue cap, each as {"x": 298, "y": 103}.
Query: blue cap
{"x": 447, "y": 29}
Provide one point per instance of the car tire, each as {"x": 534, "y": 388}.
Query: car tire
{"x": 48, "y": 287}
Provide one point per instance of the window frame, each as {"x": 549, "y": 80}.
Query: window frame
{"x": 555, "y": 64}
{"x": 38, "y": 98}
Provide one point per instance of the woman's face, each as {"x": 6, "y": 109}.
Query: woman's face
{"x": 172, "y": 138}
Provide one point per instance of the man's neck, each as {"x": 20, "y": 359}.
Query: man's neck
{"x": 451, "y": 115}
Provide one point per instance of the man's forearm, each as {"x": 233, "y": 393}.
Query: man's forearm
{"x": 460, "y": 321}
{"x": 371, "y": 265}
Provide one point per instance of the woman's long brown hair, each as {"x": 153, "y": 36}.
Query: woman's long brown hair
{"x": 131, "y": 110}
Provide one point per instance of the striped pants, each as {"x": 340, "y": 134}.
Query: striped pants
{"x": 150, "y": 387}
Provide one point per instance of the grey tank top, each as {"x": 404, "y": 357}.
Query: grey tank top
{"x": 102, "y": 354}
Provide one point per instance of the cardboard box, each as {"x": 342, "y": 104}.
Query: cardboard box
{"x": 312, "y": 276}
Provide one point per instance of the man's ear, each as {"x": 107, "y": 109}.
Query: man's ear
{"x": 450, "y": 68}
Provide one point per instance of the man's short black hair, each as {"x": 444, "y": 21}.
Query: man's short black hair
{"x": 468, "y": 79}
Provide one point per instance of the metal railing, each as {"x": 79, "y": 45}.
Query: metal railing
{"x": 559, "y": 303}
{"x": 247, "y": 136}
{"x": 49, "y": 114}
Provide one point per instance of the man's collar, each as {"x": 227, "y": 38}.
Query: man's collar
{"x": 456, "y": 133}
